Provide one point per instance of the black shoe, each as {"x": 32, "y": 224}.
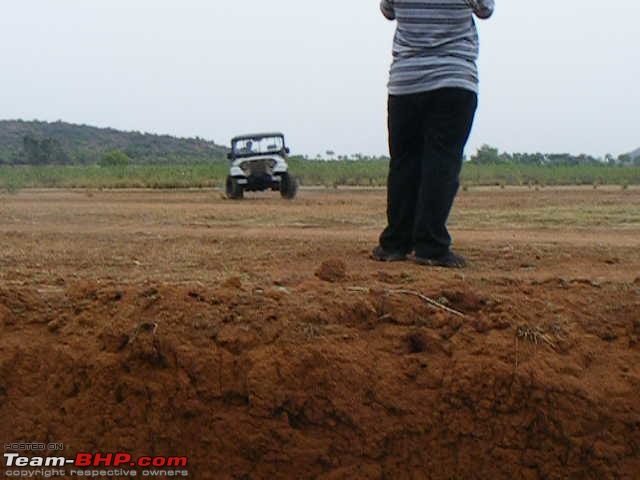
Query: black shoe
{"x": 382, "y": 255}
{"x": 448, "y": 260}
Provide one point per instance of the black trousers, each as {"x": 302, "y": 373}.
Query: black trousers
{"x": 427, "y": 135}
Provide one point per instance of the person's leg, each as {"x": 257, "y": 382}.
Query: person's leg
{"x": 405, "y": 148}
{"x": 448, "y": 118}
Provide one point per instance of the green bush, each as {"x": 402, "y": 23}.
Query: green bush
{"x": 115, "y": 158}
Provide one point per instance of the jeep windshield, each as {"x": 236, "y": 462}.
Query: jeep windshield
{"x": 258, "y": 145}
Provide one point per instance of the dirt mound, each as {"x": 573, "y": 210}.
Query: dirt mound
{"x": 333, "y": 270}
{"x": 326, "y": 382}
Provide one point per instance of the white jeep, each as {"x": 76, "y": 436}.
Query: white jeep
{"x": 259, "y": 163}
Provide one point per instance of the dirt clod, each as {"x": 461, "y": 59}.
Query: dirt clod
{"x": 332, "y": 270}
{"x": 233, "y": 282}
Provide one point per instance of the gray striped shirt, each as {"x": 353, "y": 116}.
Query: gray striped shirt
{"x": 436, "y": 44}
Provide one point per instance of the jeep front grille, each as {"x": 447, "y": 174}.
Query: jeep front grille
{"x": 258, "y": 167}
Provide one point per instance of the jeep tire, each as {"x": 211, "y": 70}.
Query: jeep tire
{"x": 288, "y": 186}
{"x": 234, "y": 189}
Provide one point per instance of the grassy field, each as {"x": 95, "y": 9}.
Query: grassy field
{"x": 310, "y": 172}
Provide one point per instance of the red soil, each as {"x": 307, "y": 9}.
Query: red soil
{"x": 276, "y": 373}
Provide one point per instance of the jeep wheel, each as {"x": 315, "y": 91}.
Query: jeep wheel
{"x": 234, "y": 189}
{"x": 288, "y": 186}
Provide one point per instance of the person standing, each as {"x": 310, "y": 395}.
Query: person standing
{"x": 432, "y": 102}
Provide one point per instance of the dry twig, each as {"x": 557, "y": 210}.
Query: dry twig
{"x": 535, "y": 335}
{"x": 428, "y": 300}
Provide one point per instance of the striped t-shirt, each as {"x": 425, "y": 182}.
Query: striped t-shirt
{"x": 436, "y": 44}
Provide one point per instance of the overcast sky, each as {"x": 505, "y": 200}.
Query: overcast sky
{"x": 556, "y": 75}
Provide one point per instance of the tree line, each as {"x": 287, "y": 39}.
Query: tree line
{"x": 489, "y": 155}
{"x": 60, "y": 143}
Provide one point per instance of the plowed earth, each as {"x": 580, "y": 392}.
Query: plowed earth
{"x": 258, "y": 339}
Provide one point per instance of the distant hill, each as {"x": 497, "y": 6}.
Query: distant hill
{"x": 82, "y": 144}
{"x": 635, "y": 154}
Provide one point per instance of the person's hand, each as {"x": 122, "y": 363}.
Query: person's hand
{"x": 387, "y": 9}
{"x": 482, "y": 8}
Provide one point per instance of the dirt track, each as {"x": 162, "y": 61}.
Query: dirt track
{"x": 260, "y": 369}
